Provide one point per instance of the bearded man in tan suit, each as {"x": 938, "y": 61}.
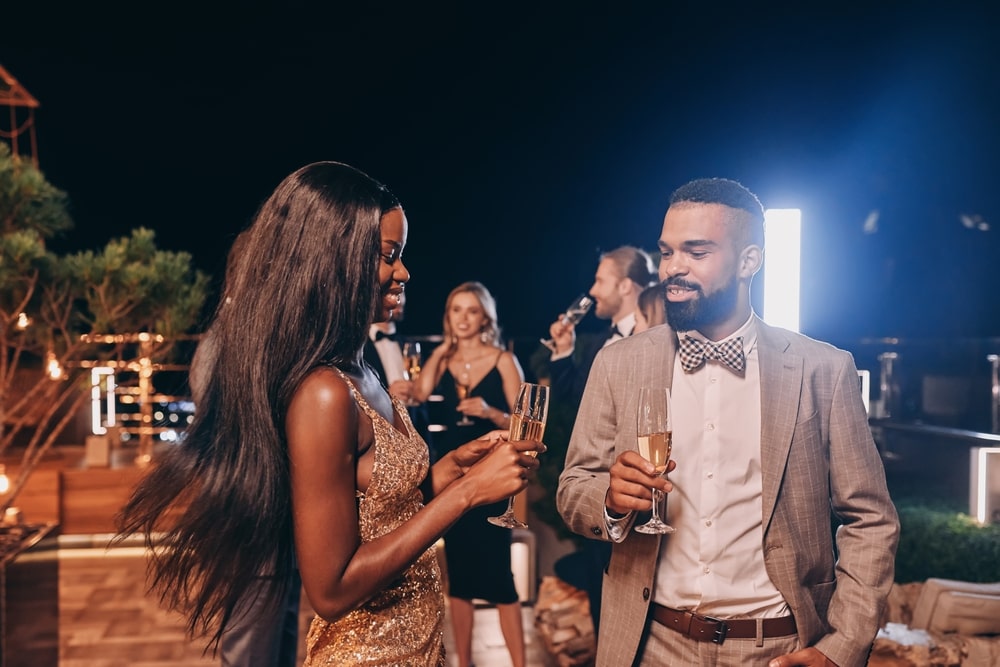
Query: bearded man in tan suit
{"x": 785, "y": 536}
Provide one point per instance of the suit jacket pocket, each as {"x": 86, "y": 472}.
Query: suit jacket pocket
{"x": 821, "y": 594}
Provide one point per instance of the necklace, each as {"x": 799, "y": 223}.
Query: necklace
{"x": 467, "y": 363}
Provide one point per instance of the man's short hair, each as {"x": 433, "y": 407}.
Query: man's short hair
{"x": 729, "y": 193}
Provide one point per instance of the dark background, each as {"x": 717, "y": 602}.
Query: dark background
{"x": 523, "y": 139}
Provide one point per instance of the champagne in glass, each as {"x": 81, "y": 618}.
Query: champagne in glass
{"x": 524, "y": 428}
{"x": 655, "y": 440}
{"x": 527, "y": 422}
{"x": 412, "y": 359}
{"x": 655, "y": 448}
{"x": 462, "y": 390}
{"x": 412, "y": 364}
{"x": 574, "y": 313}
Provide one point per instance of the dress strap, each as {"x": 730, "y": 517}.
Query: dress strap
{"x": 358, "y": 396}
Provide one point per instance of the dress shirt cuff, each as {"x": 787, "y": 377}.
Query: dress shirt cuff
{"x": 556, "y": 356}
{"x": 617, "y": 527}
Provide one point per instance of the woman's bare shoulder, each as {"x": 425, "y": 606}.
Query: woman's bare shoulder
{"x": 508, "y": 361}
{"x": 323, "y": 390}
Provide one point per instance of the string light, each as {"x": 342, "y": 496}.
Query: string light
{"x": 52, "y": 366}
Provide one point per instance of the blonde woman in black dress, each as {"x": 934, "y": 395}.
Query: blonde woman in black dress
{"x": 478, "y": 381}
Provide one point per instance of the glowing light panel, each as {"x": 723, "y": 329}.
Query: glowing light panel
{"x": 782, "y": 249}
{"x": 97, "y": 424}
{"x": 983, "y": 484}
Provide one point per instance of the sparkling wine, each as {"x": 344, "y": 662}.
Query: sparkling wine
{"x": 576, "y": 312}
{"x": 522, "y": 428}
{"x": 655, "y": 448}
{"x": 413, "y": 366}
{"x": 462, "y": 390}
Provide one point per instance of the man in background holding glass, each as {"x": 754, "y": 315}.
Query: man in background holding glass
{"x": 770, "y": 446}
{"x": 621, "y": 275}
{"x": 383, "y": 352}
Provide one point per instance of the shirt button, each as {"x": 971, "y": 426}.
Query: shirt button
{"x": 710, "y": 427}
{"x": 710, "y": 475}
{"x": 707, "y": 570}
{"x": 596, "y": 531}
{"x": 708, "y": 523}
{"x": 714, "y": 380}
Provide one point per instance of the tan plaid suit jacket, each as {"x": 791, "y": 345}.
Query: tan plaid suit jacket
{"x": 817, "y": 454}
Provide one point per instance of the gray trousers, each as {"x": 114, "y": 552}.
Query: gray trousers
{"x": 265, "y": 641}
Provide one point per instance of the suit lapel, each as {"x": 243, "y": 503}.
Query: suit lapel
{"x": 780, "y": 389}
{"x": 371, "y": 356}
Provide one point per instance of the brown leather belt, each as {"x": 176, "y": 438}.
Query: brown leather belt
{"x": 717, "y": 630}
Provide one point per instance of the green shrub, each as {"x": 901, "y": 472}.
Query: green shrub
{"x": 934, "y": 542}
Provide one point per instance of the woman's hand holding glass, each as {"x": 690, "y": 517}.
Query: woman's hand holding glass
{"x": 475, "y": 406}
{"x": 527, "y": 422}
{"x": 499, "y": 468}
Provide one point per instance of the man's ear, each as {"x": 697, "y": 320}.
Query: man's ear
{"x": 751, "y": 260}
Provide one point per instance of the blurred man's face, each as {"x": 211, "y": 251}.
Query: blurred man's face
{"x": 606, "y": 290}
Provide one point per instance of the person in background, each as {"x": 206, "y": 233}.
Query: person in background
{"x": 650, "y": 311}
{"x": 478, "y": 380}
{"x": 384, "y": 354}
{"x": 771, "y": 446}
{"x": 263, "y": 635}
{"x": 622, "y": 274}
{"x": 298, "y": 454}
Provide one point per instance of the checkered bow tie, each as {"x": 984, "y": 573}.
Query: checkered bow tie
{"x": 694, "y": 352}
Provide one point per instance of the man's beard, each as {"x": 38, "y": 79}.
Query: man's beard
{"x": 704, "y": 310}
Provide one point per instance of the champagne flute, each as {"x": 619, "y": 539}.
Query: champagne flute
{"x": 574, "y": 313}
{"x": 655, "y": 440}
{"x": 411, "y": 363}
{"x": 462, "y": 389}
{"x": 527, "y": 422}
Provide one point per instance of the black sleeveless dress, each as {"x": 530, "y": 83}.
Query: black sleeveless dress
{"x": 476, "y": 551}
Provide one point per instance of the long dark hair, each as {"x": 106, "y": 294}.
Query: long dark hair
{"x": 302, "y": 292}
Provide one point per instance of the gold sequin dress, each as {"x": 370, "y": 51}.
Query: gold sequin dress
{"x": 404, "y": 623}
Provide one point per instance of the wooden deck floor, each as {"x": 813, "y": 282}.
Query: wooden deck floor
{"x": 105, "y": 620}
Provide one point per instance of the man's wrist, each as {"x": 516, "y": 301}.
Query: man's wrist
{"x": 565, "y": 354}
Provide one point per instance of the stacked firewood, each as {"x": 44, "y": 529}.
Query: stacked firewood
{"x": 562, "y": 619}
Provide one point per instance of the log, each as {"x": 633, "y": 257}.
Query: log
{"x": 563, "y": 622}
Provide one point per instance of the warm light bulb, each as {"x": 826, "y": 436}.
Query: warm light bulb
{"x": 23, "y": 321}
{"x": 4, "y": 481}
{"x": 52, "y": 366}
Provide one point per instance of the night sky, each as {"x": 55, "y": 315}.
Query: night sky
{"x": 522, "y": 140}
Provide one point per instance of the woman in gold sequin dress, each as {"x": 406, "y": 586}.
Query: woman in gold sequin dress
{"x": 298, "y": 455}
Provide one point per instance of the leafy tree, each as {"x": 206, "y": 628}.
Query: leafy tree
{"x": 50, "y": 303}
